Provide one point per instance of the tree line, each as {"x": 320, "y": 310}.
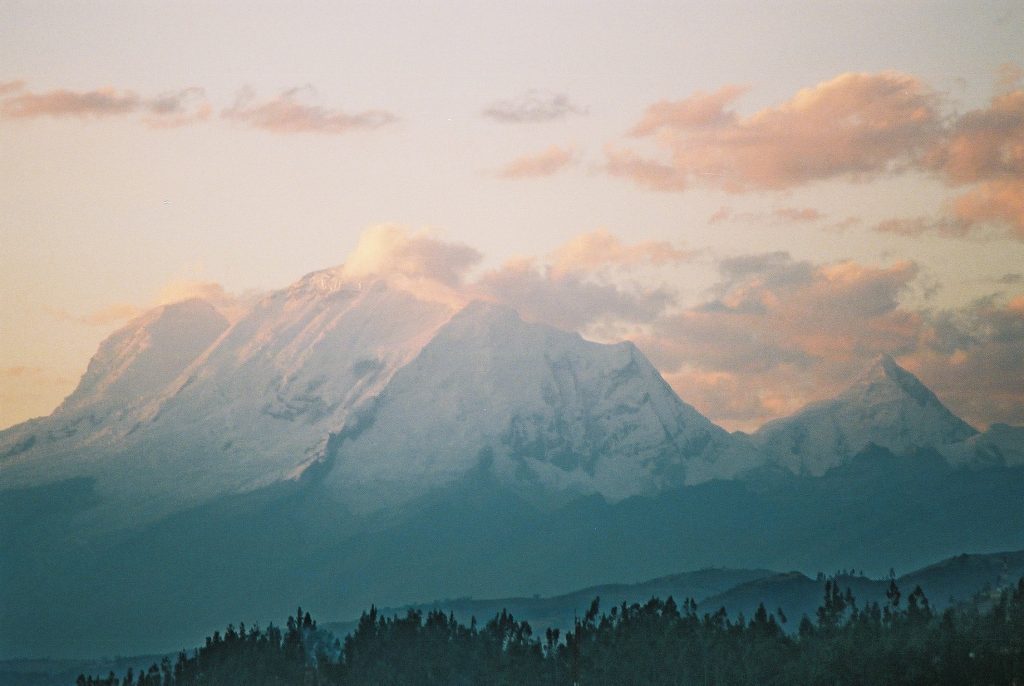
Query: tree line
{"x": 900, "y": 641}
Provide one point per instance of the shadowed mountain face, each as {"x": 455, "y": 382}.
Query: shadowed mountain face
{"x": 886, "y": 406}
{"x": 346, "y": 444}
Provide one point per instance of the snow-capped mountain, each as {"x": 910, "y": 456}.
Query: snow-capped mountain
{"x": 131, "y": 368}
{"x": 368, "y": 440}
{"x": 886, "y": 405}
{"x": 178, "y": 407}
{"x": 1000, "y": 445}
{"x": 535, "y": 405}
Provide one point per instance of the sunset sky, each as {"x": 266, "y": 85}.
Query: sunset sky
{"x": 763, "y": 198}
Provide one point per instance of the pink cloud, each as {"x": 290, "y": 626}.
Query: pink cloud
{"x": 176, "y": 108}
{"x": 393, "y": 250}
{"x": 596, "y": 250}
{"x": 780, "y": 215}
{"x": 11, "y": 86}
{"x": 778, "y": 326}
{"x": 1000, "y": 201}
{"x": 797, "y": 214}
{"x": 697, "y": 111}
{"x": 103, "y": 102}
{"x": 568, "y": 300}
{"x": 544, "y": 163}
{"x": 285, "y": 113}
{"x": 856, "y": 126}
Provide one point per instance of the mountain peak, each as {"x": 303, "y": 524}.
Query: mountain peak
{"x": 540, "y": 408}
{"x": 885, "y": 405}
{"x": 147, "y": 353}
{"x": 885, "y": 377}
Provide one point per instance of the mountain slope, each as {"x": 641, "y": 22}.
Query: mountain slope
{"x": 178, "y": 407}
{"x": 949, "y": 582}
{"x": 539, "y": 407}
{"x": 131, "y": 367}
{"x": 1001, "y": 444}
{"x": 887, "y": 406}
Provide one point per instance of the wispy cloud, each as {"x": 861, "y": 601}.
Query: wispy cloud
{"x": 104, "y": 102}
{"x": 11, "y": 87}
{"x": 797, "y": 214}
{"x": 531, "y": 107}
{"x": 171, "y": 109}
{"x": 599, "y": 250}
{"x": 178, "y": 108}
{"x": 545, "y": 163}
{"x": 777, "y": 216}
{"x": 287, "y": 113}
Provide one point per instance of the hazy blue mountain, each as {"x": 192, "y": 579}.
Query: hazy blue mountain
{"x": 951, "y": 581}
{"x": 253, "y": 556}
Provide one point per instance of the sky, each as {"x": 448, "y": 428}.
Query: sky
{"x": 764, "y": 198}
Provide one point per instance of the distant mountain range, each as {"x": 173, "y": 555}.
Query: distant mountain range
{"x": 954, "y": 581}
{"x": 964, "y": 580}
{"x": 358, "y": 442}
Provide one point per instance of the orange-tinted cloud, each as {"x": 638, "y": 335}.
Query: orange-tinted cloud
{"x": 569, "y": 300}
{"x": 778, "y": 216}
{"x": 700, "y": 110}
{"x": 982, "y": 150}
{"x": 1000, "y": 201}
{"x": 984, "y": 144}
{"x": 598, "y": 250}
{"x": 797, "y": 214}
{"x": 178, "y": 108}
{"x": 544, "y": 163}
{"x": 171, "y": 109}
{"x": 973, "y": 358}
{"x": 532, "y": 107}
{"x": 231, "y": 305}
{"x": 855, "y": 126}
{"x": 775, "y": 326}
{"x": 103, "y": 102}
{"x": 11, "y": 86}
{"x": 393, "y": 250}
{"x": 646, "y": 172}
{"x": 286, "y": 113}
